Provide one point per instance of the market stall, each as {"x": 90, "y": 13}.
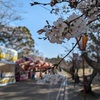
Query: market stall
{"x": 30, "y": 68}
{"x": 7, "y": 74}
{"x": 7, "y": 65}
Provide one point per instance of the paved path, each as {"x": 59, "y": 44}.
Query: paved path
{"x": 29, "y": 90}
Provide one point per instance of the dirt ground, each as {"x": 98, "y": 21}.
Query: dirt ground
{"x": 30, "y": 91}
{"x": 75, "y": 90}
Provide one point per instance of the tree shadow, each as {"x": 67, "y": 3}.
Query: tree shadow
{"x": 76, "y": 93}
{"x": 29, "y": 91}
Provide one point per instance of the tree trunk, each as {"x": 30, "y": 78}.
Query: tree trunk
{"x": 96, "y": 69}
{"x": 95, "y": 65}
{"x": 89, "y": 81}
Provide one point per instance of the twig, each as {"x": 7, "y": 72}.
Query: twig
{"x": 69, "y": 51}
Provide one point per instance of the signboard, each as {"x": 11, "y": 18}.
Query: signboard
{"x": 8, "y": 55}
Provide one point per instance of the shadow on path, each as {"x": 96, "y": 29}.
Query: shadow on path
{"x": 29, "y": 90}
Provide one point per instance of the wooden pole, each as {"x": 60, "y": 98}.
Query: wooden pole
{"x": 84, "y": 83}
{"x": 82, "y": 48}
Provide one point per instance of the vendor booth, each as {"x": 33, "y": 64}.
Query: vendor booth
{"x": 7, "y": 73}
{"x": 7, "y": 65}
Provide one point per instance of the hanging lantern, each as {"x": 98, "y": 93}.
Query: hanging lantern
{"x": 82, "y": 43}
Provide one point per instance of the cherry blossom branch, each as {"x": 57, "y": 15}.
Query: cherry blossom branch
{"x": 92, "y": 20}
{"x": 37, "y": 3}
{"x": 76, "y": 18}
{"x": 69, "y": 52}
{"x": 44, "y": 4}
{"x": 56, "y": 65}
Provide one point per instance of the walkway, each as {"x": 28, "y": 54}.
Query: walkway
{"x": 29, "y": 90}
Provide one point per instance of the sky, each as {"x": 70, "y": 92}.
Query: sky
{"x": 34, "y": 18}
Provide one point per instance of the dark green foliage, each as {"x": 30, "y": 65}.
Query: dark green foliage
{"x": 18, "y": 38}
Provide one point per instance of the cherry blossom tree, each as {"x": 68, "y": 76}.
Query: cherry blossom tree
{"x": 84, "y": 13}
{"x": 81, "y": 14}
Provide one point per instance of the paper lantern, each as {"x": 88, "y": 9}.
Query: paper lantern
{"x": 82, "y": 43}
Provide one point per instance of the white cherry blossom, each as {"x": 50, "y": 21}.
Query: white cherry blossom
{"x": 72, "y": 17}
{"x": 60, "y": 25}
{"x": 89, "y": 5}
{"x": 72, "y": 27}
{"x": 56, "y": 39}
{"x": 75, "y": 24}
{"x": 49, "y": 34}
{"x": 68, "y": 36}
